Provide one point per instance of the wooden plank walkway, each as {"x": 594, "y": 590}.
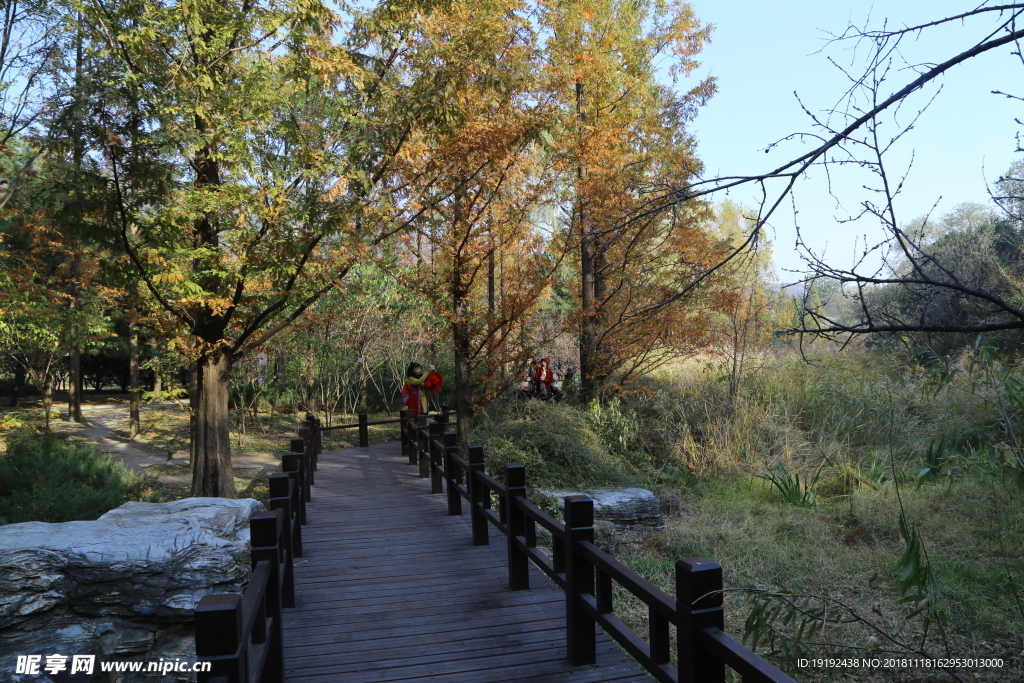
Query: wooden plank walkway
{"x": 391, "y": 589}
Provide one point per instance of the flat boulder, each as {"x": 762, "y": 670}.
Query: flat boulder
{"x": 627, "y": 509}
{"x": 122, "y": 586}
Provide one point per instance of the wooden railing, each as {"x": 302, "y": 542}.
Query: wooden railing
{"x": 586, "y": 573}
{"x": 363, "y": 424}
{"x": 240, "y": 635}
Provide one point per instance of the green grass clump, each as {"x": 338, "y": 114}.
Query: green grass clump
{"x": 43, "y": 479}
{"x": 557, "y": 443}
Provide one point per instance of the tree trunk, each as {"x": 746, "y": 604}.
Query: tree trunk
{"x": 461, "y": 345}
{"x": 463, "y": 402}
{"x": 47, "y": 396}
{"x": 310, "y": 377}
{"x": 158, "y": 381}
{"x": 133, "y": 373}
{"x": 75, "y": 384}
{"x": 212, "y": 474}
{"x": 588, "y": 302}
{"x": 19, "y": 384}
{"x": 361, "y": 399}
{"x": 193, "y": 405}
{"x": 75, "y": 353}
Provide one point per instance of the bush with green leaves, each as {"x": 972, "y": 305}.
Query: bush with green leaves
{"x": 46, "y": 480}
{"x": 557, "y": 443}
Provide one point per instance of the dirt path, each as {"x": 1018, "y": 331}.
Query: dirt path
{"x": 103, "y": 426}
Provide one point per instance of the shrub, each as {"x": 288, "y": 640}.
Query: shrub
{"x": 556, "y": 443}
{"x": 45, "y": 480}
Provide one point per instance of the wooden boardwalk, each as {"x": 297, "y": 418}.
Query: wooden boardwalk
{"x": 391, "y": 589}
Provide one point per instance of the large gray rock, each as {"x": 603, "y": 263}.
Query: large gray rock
{"x": 121, "y": 587}
{"x": 626, "y": 509}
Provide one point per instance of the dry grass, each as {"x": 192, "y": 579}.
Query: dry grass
{"x": 849, "y": 425}
{"x": 847, "y": 553}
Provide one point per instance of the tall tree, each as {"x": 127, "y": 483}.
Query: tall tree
{"x": 489, "y": 139}
{"x": 625, "y": 134}
{"x": 279, "y": 139}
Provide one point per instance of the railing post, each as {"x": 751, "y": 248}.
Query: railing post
{"x": 403, "y": 430}
{"x": 452, "y": 473}
{"x": 218, "y": 624}
{"x": 266, "y": 531}
{"x": 699, "y": 606}
{"x": 518, "y": 561}
{"x": 291, "y": 463}
{"x": 436, "y": 456}
{"x": 314, "y": 437}
{"x": 479, "y": 497}
{"x": 423, "y": 445}
{"x": 283, "y": 497}
{"x": 318, "y": 444}
{"x": 306, "y": 434}
{"x": 299, "y": 446}
{"x": 581, "y": 637}
{"x": 364, "y": 431}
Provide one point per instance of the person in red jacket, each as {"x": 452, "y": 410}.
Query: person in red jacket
{"x": 544, "y": 377}
{"x": 413, "y": 396}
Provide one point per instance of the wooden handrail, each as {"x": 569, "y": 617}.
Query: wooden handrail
{"x": 241, "y": 635}
{"x": 587, "y": 574}
{"x": 353, "y": 425}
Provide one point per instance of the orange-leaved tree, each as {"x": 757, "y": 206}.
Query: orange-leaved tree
{"x": 487, "y": 267}
{"x": 645, "y": 284}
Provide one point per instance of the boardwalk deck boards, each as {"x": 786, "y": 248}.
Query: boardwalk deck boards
{"x": 389, "y": 588}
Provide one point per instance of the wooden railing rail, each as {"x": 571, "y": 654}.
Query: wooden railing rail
{"x": 586, "y": 573}
{"x": 241, "y": 635}
{"x": 363, "y": 423}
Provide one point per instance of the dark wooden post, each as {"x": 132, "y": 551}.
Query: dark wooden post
{"x": 699, "y": 605}
{"x": 282, "y": 497}
{"x": 423, "y": 446}
{"x": 446, "y": 412}
{"x": 436, "y": 455}
{"x": 318, "y": 444}
{"x": 452, "y": 473}
{"x": 306, "y": 434}
{"x": 403, "y": 417}
{"x": 299, "y": 446}
{"x": 218, "y": 624}
{"x": 314, "y": 436}
{"x": 479, "y": 497}
{"x": 291, "y": 463}
{"x": 364, "y": 431}
{"x": 581, "y": 642}
{"x": 266, "y": 531}
{"x": 518, "y": 561}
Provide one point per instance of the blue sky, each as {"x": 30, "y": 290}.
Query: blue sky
{"x": 762, "y": 52}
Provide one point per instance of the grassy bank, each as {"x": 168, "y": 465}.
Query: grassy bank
{"x": 886, "y": 492}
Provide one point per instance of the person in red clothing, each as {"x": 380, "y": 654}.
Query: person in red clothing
{"x": 544, "y": 378}
{"x": 413, "y": 396}
{"x": 531, "y": 376}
